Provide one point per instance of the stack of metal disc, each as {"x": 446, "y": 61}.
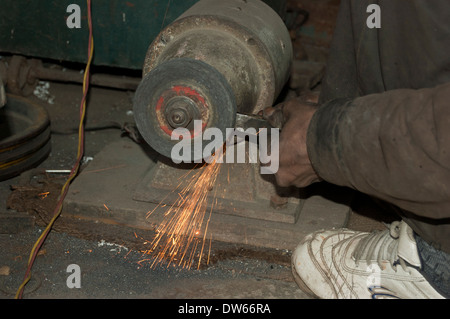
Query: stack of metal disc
{"x": 24, "y": 136}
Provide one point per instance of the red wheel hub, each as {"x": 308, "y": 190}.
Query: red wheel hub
{"x": 179, "y": 106}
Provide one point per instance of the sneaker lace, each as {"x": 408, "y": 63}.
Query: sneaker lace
{"x": 380, "y": 246}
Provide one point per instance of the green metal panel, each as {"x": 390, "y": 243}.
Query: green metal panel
{"x": 123, "y": 30}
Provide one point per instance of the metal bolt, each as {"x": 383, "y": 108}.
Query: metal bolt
{"x": 180, "y": 112}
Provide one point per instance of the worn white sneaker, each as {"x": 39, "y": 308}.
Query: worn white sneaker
{"x": 350, "y": 264}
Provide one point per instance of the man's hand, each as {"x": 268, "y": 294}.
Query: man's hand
{"x": 293, "y": 118}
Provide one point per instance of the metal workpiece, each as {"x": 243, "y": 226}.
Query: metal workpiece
{"x": 219, "y": 58}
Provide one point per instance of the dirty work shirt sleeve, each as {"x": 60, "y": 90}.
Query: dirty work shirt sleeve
{"x": 383, "y": 126}
{"x": 393, "y": 145}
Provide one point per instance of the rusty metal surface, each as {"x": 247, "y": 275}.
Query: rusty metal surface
{"x": 19, "y": 81}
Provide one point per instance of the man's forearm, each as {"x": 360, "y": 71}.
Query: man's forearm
{"x": 393, "y": 145}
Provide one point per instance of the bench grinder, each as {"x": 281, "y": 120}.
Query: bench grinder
{"x": 218, "y": 59}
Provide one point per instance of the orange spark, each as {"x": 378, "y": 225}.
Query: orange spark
{"x": 44, "y": 195}
{"x": 176, "y": 237}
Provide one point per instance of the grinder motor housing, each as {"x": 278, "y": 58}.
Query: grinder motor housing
{"x": 217, "y": 59}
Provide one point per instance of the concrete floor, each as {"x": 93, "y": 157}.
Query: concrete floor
{"x": 112, "y": 269}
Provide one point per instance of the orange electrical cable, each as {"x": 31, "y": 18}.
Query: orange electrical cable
{"x": 76, "y": 166}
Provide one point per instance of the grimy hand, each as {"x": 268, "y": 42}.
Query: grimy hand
{"x": 293, "y": 118}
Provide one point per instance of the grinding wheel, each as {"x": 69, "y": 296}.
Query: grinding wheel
{"x": 175, "y": 94}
